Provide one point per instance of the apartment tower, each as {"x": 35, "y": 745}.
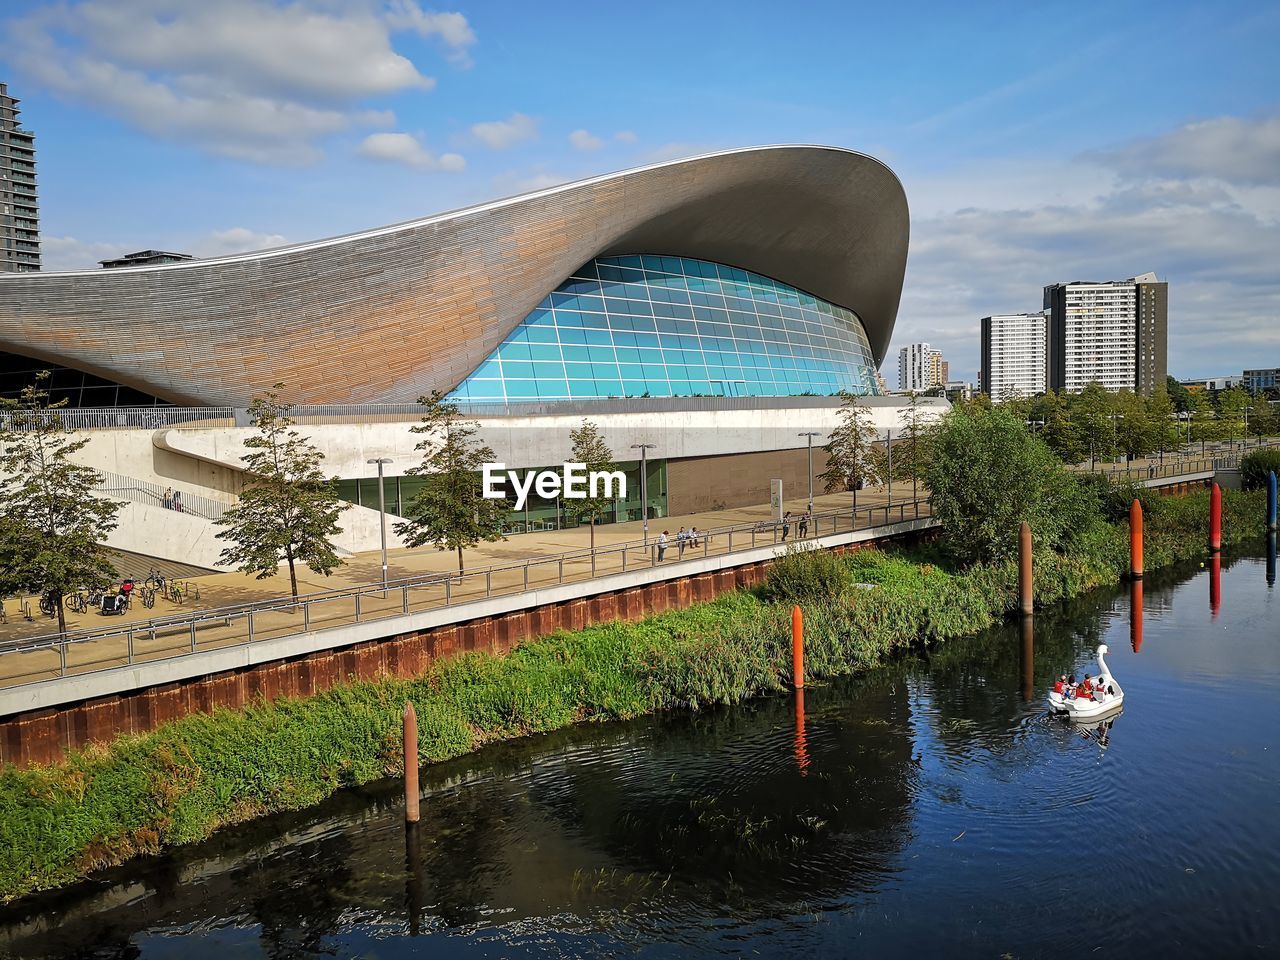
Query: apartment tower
{"x": 19, "y": 209}
{"x": 1013, "y": 355}
{"x": 1115, "y": 333}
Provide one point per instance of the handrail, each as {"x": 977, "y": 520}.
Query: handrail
{"x": 751, "y": 535}
{"x": 144, "y": 491}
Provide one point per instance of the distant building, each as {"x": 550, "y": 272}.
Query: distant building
{"x": 921, "y": 367}
{"x": 19, "y": 205}
{"x": 1257, "y": 380}
{"x": 1114, "y": 332}
{"x": 145, "y": 258}
{"x": 958, "y": 390}
{"x": 1013, "y": 355}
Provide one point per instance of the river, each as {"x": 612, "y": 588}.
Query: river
{"x": 930, "y": 809}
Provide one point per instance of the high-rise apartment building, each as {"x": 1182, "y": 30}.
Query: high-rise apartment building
{"x": 19, "y": 209}
{"x": 1115, "y": 333}
{"x": 1013, "y": 355}
{"x": 921, "y": 367}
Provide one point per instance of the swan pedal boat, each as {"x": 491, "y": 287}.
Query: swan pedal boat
{"x": 1075, "y": 708}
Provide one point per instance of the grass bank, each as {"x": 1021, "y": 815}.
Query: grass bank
{"x": 182, "y": 782}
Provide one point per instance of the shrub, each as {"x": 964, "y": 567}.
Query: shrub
{"x": 1255, "y": 467}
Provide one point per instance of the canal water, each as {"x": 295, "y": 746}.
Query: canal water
{"x": 931, "y": 809}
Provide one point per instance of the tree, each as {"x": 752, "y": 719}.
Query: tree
{"x": 988, "y": 474}
{"x": 450, "y": 511}
{"x": 1231, "y": 407}
{"x": 590, "y": 450}
{"x": 1092, "y": 409}
{"x": 1061, "y": 431}
{"x": 1178, "y": 394}
{"x": 912, "y": 451}
{"x": 1159, "y": 409}
{"x": 288, "y": 508}
{"x": 853, "y": 458}
{"x": 51, "y": 523}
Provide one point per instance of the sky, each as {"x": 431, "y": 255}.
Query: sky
{"x": 1036, "y": 142}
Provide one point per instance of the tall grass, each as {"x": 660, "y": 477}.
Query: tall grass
{"x": 187, "y": 779}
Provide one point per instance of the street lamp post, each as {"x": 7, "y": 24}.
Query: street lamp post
{"x": 382, "y": 516}
{"x": 888, "y": 467}
{"x": 644, "y": 448}
{"x": 809, "y": 437}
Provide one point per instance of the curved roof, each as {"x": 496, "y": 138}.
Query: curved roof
{"x": 388, "y": 314}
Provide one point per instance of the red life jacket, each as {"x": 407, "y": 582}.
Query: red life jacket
{"x": 1059, "y": 687}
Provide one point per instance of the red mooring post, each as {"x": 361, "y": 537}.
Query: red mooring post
{"x": 1135, "y": 615}
{"x": 1215, "y": 518}
{"x": 1135, "y": 539}
{"x": 1026, "y": 588}
{"x": 797, "y": 647}
{"x": 410, "y": 763}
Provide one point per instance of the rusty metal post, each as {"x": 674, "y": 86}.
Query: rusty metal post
{"x": 1215, "y": 584}
{"x": 1026, "y": 573}
{"x": 797, "y": 647}
{"x": 1135, "y": 615}
{"x": 410, "y": 763}
{"x": 1135, "y": 539}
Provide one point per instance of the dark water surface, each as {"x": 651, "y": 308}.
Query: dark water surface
{"x": 932, "y": 809}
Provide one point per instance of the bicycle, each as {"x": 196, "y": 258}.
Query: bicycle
{"x": 48, "y": 604}
{"x": 148, "y": 597}
{"x": 175, "y": 593}
{"x": 156, "y": 581}
{"x": 78, "y": 602}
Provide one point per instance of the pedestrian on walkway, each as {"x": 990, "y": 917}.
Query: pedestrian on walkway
{"x": 167, "y": 500}
{"x": 693, "y": 537}
{"x": 662, "y": 546}
{"x": 804, "y": 525}
{"x": 786, "y": 525}
{"x": 177, "y": 500}
{"x": 682, "y": 540}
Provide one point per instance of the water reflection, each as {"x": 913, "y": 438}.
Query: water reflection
{"x": 1028, "y": 659}
{"x": 1135, "y": 615}
{"x": 1215, "y": 583}
{"x": 802, "y": 743}
{"x": 1271, "y": 559}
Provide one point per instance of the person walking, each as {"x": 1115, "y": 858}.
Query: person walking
{"x": 682, "y": 540}
{"x": 662, "y": 546}
{"x": 786, "y": 525}
{"x": 177, "y": 500}
{"x": 803, "y": 526}
{"x": 167, "y": 500}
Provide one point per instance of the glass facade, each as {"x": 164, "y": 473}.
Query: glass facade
{"x": 637, "y": 326}
{"x": 539, "y": 513}
{"x": 78, "y": 389}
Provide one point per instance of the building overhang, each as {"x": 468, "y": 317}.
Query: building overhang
{"x": 388, "y": 314}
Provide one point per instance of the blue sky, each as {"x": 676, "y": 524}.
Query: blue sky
{"x": 1036, "y": 142}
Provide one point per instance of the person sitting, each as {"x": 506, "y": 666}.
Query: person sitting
{"x": 1071, "y": 687}
{"x": 1060, "y": 688}
{"x": 1086, "y": 689}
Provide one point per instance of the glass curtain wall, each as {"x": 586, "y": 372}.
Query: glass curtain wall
{"x": 539, "y": 513}
{"x": 652, "y": 326}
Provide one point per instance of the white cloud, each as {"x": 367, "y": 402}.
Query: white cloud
{"x": 222, "y": 243}
{"x": 626, "y": 136}
{"x": 407, "y": 149}
{"x": 257, "y": 80}
{"x": 69, "y": 253}
{"x": 977, "y": 250}
{"x": 1226, "y": 148}
{"x": 501, "y": 134}
{"x": 582, "y": 140}
{"x": 451, "y": 28}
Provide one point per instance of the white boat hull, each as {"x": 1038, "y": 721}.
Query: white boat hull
{"x": 1082, "y": 708}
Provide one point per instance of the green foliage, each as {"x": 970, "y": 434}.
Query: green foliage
{"x": 590, "y": 450}
{"x": 451, "y": 510}
{"x": 1179, "y": 395}
{"x": 988, "y": 475}
{"x": 51, "y": 523}
{"x": 187, "y": 779}
{"x": 288, "y": 508}
{"x": 1255, "y": 466}
{"x": 853, "y": 459}
{"x": 911, "y": 446}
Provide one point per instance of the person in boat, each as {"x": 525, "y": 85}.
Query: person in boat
{"x": 1086, "y": 689}
{"x": 1060, "y": 688}
{"x": 1071, "y": 687}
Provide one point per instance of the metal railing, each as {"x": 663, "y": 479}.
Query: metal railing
{"x": 1181, "y": 464}
{"x": 153, "y": 494}
{"x": 163, "y": 637}
{"x": 126, "y": 418}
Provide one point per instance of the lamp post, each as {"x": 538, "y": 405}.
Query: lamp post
{"x": 809, "y": 437}
{"x": 888, "y": 467}
{"x": 382, "y": 516}
{"x": 644, "y": 448}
